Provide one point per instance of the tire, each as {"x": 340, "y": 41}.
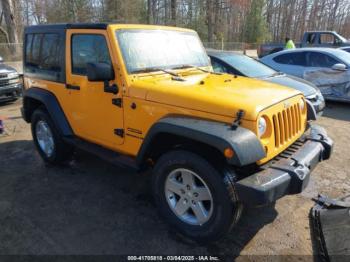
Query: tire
{"x": 223, "y": 210}
{"x": 61, "y": 151}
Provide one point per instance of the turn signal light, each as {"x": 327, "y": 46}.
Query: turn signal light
{"x": 228, "y": 153}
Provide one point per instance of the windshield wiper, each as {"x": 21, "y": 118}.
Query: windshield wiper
{"x": 196, "y": 67}
{"x": 154, "y": 69}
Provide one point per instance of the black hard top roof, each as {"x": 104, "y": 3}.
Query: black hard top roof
{"x": 58, "y": 27}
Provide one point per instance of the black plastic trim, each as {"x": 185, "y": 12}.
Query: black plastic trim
{"x": 52, "y": 106}
{"x": 311, "y": 111}
{"x": 288, "y": 175}
{"x": 64, "y": 26}
{"x": 72, "y": 87}
{"x": 245, "y": 144}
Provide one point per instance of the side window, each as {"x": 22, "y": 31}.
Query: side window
{"x": 219, "y": 68}
{"x": 311, "y": 39}
{"x": 33, "y": 46}
{"x": 43, "y": 56}
{"x": 88, "y": 49}
{"x": 50, "y": 50}
{"x": 316, "y": 59}
{"x": 327, "y": 39}
{"x": 291, "y": 59}
{"x": 28, "y": 48}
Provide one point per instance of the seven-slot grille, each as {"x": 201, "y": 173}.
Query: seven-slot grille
{"x": 287, "y": 124}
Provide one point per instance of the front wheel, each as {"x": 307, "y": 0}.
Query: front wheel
{"x": 194, "y": 197}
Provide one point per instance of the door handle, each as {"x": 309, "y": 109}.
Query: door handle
{"x": 72, "y": 87}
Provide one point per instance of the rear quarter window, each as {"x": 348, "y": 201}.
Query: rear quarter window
{"x": 291, "y": 59}
{"x": 44, "y": 56}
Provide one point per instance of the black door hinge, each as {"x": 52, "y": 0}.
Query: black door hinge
{"x": 119, "y": 132}
{"x": 117, "y": 102}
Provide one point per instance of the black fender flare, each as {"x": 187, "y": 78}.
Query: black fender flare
{"x": 245, "y": 144}
{"x": 311, "y": 112}
{"x": 52, "y": 105}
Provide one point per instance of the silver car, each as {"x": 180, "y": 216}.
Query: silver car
{"x": 345, "y": 48}
{"x": 327, "y": 68}
{"x": 297, "y": 61}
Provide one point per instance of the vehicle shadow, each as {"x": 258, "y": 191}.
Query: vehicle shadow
{"x": 337, "y": 110}
{"x": 7, "y": 102}
{"x": 252, "y": 220}
{"x": 89, "y": 206}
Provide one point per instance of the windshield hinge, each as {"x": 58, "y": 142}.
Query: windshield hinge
{"x": 117, "y": 102}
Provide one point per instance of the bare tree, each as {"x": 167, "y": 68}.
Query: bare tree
{"x": 11, "y": 26}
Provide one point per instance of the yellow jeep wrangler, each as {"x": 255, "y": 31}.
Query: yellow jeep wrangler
{"x": 145, "y": 96}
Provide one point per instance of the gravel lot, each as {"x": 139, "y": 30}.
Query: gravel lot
{"x": 92, "y": 207}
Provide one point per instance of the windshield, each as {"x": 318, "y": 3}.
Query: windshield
{"x": 248, "y": 66}
{"x": 166, "y": 49}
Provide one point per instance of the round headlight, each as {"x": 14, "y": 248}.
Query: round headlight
{"x": 301, "y": 104}
{"x": 262, "y": 126}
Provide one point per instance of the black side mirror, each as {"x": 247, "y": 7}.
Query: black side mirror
{"x": 98, "y": 72}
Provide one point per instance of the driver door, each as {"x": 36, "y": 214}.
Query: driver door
{"x": 93, "y": 113}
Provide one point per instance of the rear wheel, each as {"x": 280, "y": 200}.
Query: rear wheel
{"x": 194, "y": 197}
{"x": 47, "y": 139}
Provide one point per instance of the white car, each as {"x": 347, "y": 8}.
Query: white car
{"x": 297, "y": 61}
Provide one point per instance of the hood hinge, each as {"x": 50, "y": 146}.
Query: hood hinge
{"x": 237, "y": 121}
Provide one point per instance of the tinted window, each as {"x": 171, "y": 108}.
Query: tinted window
{"x": 291, "y": 59}
{"x": 43, "y": 56}
{"x": 49, "y": 59}
{"x": 29, "y": 40}
{"x": 88, "y": 49}
{"x": 248, "y": 66}
{"x": 218, "y": 67}
{"x": 316, "y": 59}
{"x": 311, "y": 39}
{"x": 34, "y": 54}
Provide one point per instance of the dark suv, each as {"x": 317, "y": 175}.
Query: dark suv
{"x": 10, "y": 84}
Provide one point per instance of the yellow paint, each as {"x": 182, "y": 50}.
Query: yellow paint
{"x": 203, "y": 95}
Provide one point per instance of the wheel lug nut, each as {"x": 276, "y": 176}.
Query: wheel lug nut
{"x": 188, "y": 187}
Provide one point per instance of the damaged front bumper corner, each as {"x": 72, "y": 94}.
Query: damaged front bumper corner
{"x": 289, "y": 173}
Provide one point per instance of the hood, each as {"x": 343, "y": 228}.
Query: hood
{"x": 294, "y": 82}
{"x": 217, "y": 94}
{"x": 6, "y": 69}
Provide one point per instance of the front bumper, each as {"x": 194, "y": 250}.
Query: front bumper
{"x": 289, "y": 173}
{"x": 13, "y": 90}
